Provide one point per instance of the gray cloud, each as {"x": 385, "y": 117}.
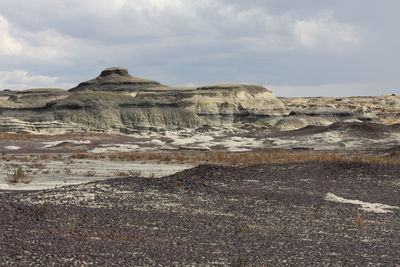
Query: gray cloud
{"x": 289, "y": 45}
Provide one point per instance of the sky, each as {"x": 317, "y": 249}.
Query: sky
{"x": 293, "y": 47}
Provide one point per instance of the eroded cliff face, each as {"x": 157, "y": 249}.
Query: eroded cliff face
{"x": 385, "y": 108}
{"x": 118, "y": 102}
{"x": 322, "y": 111}
{"x": 218, "y": 105}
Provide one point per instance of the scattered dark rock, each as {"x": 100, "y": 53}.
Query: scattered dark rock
{"x": 266, "y": 215}
{"x": 355, "y": 129}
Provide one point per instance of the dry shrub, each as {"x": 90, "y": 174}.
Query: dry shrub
{"x": 121, "y": 174}
{"x": 84, "y": 156}
{"x": 69, "y": 224}
{"x": 240, "y": 261}
{"x": 45, "y": 157}
{"x": 90, "y": 173}
{"x": 6, "y": 157}
{"x": 58, "y": 157}
{"x": 18, "y": 175}
{"x": 360, "y": 221}
{"x": 78, "y": 156}
{"x": 37, "y": 165}
{"x": 134, "y": 173}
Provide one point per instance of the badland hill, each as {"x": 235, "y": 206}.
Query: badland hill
{"x": 115, "y": 101}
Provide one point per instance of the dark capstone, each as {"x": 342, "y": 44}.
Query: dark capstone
{"x": 116, "y": 79}
{"x": 118, "y": 71}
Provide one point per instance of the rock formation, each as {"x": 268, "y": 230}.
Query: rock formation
{"x": 384, "y": 109}
{"x": 9, "y": 124}
{"x": 30, "y": 98}
{"x": 116, "y": 80}
{"x": 217, "y": 105}
{"x": 118, "y": 102}
{"x": 338, "y": 135}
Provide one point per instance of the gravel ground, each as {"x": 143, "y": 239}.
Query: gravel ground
{"x": 266, "y": 215}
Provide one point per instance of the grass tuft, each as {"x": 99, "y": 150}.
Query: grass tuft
{"x": 360, "y": 222}
{"x": 18, "y": 175}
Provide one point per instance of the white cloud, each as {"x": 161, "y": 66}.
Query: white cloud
{"x": 47, "y": 45}
{"x": 42, "y": 45}
{"x": 204, "y": 41}
{"x": 177, "y": 23}
{"x": 19, "y": 79}
{"x": 324, "y": 33}
{"x": 8, "y": 44}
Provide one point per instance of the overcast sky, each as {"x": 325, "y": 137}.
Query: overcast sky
{"x": 293, "y": 47}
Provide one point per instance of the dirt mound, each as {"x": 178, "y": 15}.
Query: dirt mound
{"x": 205, "y": 178}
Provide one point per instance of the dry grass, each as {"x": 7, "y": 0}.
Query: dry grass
{"x": 129, "y": 173}
{"x": 37, "y": 165}
{"x": 205, "y": 157}
{"x": 18, "y": 175}
{"x": 46, "y": 156}
{"x": 242, "y": 158}
{"x": 15, "y": 136}
{"x": 360, "y": 221}
{"x": 86, "y": 156}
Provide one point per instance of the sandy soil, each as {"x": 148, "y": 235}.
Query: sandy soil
{"x": 47, "y": 174}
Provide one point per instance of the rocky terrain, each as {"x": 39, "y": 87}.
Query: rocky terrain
{"x": 304, "y": 214}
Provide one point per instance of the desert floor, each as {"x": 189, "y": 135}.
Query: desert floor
{"x": 156, "y": 208}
